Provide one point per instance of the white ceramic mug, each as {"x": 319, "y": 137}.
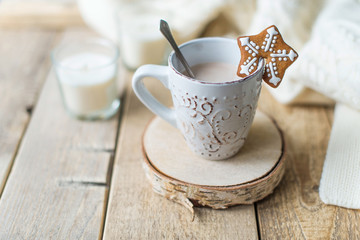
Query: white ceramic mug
{"x": 214, "y": 118}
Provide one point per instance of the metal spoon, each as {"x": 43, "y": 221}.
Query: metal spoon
{"x": 165, "y": 30}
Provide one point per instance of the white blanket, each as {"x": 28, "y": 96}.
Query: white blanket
{"x": 329, "y": 62}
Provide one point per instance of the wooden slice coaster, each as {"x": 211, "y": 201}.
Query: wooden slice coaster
{"x": 178, "y": 174}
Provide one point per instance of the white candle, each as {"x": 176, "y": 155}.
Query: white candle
{"x": 140, "y": 39}
{"x": 88, "y": 82}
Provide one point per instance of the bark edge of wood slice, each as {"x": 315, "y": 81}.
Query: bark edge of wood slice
{"x": 191, "y": 193}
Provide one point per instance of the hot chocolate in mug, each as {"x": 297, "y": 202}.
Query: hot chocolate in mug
{"x": 213, "y": 116}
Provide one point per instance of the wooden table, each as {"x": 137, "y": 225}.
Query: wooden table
{"x": 62, "y": 178}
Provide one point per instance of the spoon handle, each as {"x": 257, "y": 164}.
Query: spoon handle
{"x": 165, "y": 30}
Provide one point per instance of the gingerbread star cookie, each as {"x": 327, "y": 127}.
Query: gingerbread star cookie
{"x": 270, "y": 46}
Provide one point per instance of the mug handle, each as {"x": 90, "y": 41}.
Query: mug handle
{"x": 160, "y": 73}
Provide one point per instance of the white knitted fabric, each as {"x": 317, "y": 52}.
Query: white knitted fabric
{"x": 330, "y": 60}
{"x": 329, "y": 63}
{"x": 340, "y": 180}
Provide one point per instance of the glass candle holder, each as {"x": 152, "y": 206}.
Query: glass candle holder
{"x": 87, "y": 75}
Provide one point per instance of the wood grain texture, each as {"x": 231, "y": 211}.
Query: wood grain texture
{"x": 295, "y": 210}
{"x": 40, "y": 13}
{"x": 136, "y": 212}
{"x": 58, "y": 185}
{"x": 23, "y": 68}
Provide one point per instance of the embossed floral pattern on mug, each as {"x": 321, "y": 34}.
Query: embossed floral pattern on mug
{"x": 215, "y": 127}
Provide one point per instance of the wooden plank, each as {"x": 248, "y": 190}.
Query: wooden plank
{"x": 136, "y": 212}
{"x": 40, "y": 13}
{"x": 295, "y": 210}
{"x": 58, "y": 185}
{"x": 23, "y": 67}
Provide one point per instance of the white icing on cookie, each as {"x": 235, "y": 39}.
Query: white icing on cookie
{"x": 271, "y": 33}
{"x": 292, "y": 55}
{"x": 245, "y": 68}
{"x": 245, "y": 42}
{"x": 274, "y": 79}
